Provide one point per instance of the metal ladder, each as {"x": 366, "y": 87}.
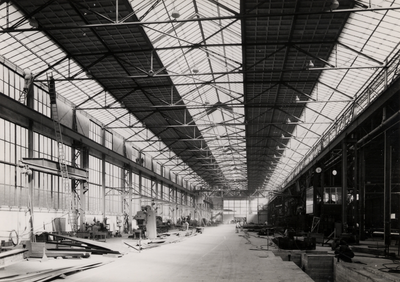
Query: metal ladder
{"x": 72, "y": 215}
{"x": 22, "y": 96}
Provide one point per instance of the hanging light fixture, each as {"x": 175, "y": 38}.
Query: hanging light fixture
{"x": 310, "y": 64}
{"x": 33, "y": 22}
{"x": 175, "y": 13}
{"x": 334, "y": 5}
{"x": 89, "y": 74}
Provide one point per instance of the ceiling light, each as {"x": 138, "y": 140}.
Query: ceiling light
{"x": 33, "y": 22}
{"x": 195, "y": 70}
{"x": 175, "y": 14}
{"x": 334, "y": 5}
{"x": 310, "y": 64}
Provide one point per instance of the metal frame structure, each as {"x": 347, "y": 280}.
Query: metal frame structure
{"x": 233, "y": 95}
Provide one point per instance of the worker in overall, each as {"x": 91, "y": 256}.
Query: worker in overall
{"x": 237, "y": 226}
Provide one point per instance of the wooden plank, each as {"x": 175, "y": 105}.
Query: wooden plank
{"x": 47, "y": 274}
{"x": 85, "y": 250}
{"x": 142, "y": 247}
{"x": 8, "y": 260}
{"x": 60, "y": 253}
{"x": 39, "y": 249}
{"x": 12, "y": 252}
{"x": 80, "y": 241}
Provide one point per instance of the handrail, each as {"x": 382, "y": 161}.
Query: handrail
{"x": 367, "y": 95}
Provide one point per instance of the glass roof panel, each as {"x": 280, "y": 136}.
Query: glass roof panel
{"x": 368, "y": 39}
{"x": 197, "y": 65}
{"x": 374, "y": 36}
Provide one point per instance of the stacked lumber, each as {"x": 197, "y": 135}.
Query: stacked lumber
{"x": 11, "y": 256}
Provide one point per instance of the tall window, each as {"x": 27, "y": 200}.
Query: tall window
{"x": 257, "y": 204}
{"x": 309, "y": 200}
{"x": 108, "y": 139}
{"x": 11, "y": 84}
{"x": 146, "y": 187}
{"x": 47, "y": 148}
{"x": 7, "y": 163}
{"x": 41, "y": 101}
{"x": 238, "y": 208}
{"x": 113, "y": 197}
{"x": 42, "y": 146}
{"x": 179, "y": 197}
{"x": 94, "y": 194}
{"x": 95, "y": 132}
{"x": 44, "y": 196}
{"x": 13, "y": 147}
{"x": 2, "y": 74}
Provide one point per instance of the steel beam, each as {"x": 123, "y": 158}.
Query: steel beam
{"x": 344, "y": 186}
{"x": 197, "y": 19}
{"x": 387, "y": 188}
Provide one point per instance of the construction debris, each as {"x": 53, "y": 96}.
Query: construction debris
{"x": 48, "y": 274}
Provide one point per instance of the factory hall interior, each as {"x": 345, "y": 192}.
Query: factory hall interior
{"x": 200, "y": 140}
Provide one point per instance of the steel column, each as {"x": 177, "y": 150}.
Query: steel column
{"x": 84, "y": 186}
{"x": 387, "y": 188}
{"x": 103, "y": 185}
{"x": 344, "y": 186}
{"x": 361, "y": 185}
{"x": 356, "y": 187}
{"x": 130, "y": 208}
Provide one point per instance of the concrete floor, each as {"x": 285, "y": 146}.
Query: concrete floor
{"x": 219, "y": 254}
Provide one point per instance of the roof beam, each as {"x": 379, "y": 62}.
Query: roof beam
{"x": 236, "y": 17}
